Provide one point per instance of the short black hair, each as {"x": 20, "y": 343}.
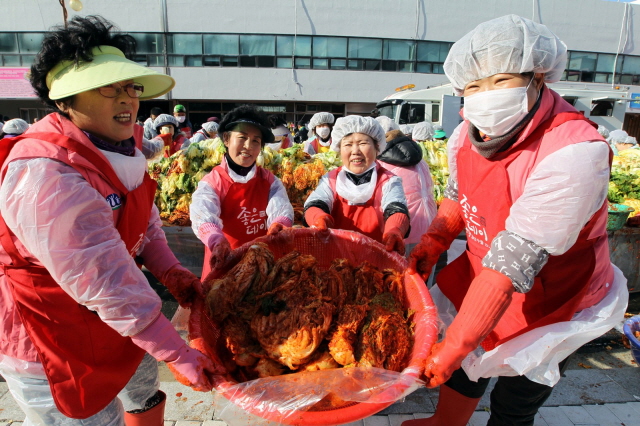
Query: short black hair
{"x": 276, "y": 120}
{"x": 74, "y": 43}
{"x": 155, "y": 111}
{"x": 250, "y": 113}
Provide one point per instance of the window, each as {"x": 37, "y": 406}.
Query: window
{"x": 148, "y": 43}
{"x": 602, "y": 108}
{"x": 257, "y": 45}
{"x": 399, "y": 50}
{"x": 605, "y": 63}
{"x": 221, "y": 44}
{"x": 8, "y": 43}
{"x": 284, "y": 45}
{"x": 433, "y": 51}
{"x": 582, "y": 61}
{"x": 185, "y": 44}
{"x": 631, "y": 65}
{"x": 435, "y": 113}
{"x": 365, "y": 48}
{"x": 30, "y": 42}
{"x": 329, "y": 47}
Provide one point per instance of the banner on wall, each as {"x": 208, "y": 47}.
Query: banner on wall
{"x": 14, "y": 85}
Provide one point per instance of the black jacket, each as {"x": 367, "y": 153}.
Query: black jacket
{"x": 402, "y": 152}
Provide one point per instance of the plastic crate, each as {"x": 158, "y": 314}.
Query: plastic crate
{"x": 630, "y": 327}
{"x": 617, "y": 217}
{"x": 356, "y": 248}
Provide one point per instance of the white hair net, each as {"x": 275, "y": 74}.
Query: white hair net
{"x": 604, "y": 132}
{"x": 210, "y": 127}
{"x": 17, "y": 126}
{"x": 406, "y": 129}
{"x": 631, "y": 140}
{"x": 422, "y": 131}
{"x": 618, "y": 136}
{"x": 509, "y": 44}
{"x": 356, "y": 124}
{"x": 321, "y": 118}
{"x": 164, "y": 119}
{"x": 387, "y": 123}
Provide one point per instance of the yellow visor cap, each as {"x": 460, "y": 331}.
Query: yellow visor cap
{"x": 108, "y": 66}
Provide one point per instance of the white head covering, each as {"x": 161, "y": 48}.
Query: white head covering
{"x": 422, "y": 131}
{"x": 164, "y": 119}
{"x": 631, "y": 140}
{"x": 406, "y": 129}
{"x": 387, "y": 123}
{"x": 17, "y": 126}
{"x": 321, "y": 118}
{"x": 604, "y": 132}
{"x": 210, "y": 127}
{"x": 618, "y": 136}
{"x": 356, "y": 124}
{"x": 509, "y": 44}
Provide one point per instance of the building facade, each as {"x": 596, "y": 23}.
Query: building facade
{"x": 298, "y": 57}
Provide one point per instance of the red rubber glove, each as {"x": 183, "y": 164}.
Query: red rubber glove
{"x": 182, "y": 284}
{"x": 220, "y": 249}
{"x": 316, "y": 217}
{"x": 167, "y": 138}
{"x": 275, "y": 228}
{"x": 189, "y": 366}
{"x": 445, "y": 227}
{"x": 484, "y": 304}
{"x": 395, "y": 228}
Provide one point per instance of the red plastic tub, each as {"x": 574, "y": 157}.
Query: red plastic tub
{"x": 339, "y": 244}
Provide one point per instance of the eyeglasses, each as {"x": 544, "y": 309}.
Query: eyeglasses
{"x": 134, "y": 90}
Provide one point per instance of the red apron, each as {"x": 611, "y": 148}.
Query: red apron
{"x": 485, "y": 201}
{"x": 86, "y": 362}
{"x": 242, "y": 211}
{"x": 367, "y": 218}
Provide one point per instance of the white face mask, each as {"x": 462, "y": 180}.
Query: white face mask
{"x": 181, "y": 118}
{"x": 496, "y": 112}
{"x": 323, "y": 132}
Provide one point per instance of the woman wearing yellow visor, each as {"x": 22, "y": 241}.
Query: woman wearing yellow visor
{"x": 81, "y": 329}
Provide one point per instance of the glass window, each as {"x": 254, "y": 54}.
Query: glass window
{"x": 602, "y": 108}
{"x": 194, "y": 61}
{"x": 221, "y": 44}
{"x": 631, "y": 65}
{"x": 283, "y": 63}
{"x": 211, "y": 61}
{"x": 329, "y": 47}
{"x": 284, "y": 45}
{"x": 424, "y": 67}
{"x": 437, "y": 69}
{"x": 338, "y": 64}
{"x": 399, "y": 50}
{"x": 148, "y": 43}
{"x": 433, "y": 51}
{"x": 11, "y": 60}
{"x": 185, "y": 44}
{"x": 230, "y": 61}
{"x": 176, "y": 61}
{"x": 389, "y": 65}
{"x": 156, "y": 60}
{"x": 265, "y": 61}
{"x": 365, "y": 48}
{"x": 28, "y": 60}
{"x": 140, "y": 59}
{"x": 247, "y": 61}
{"x": 605, "y": 63}
{"x": 582, "y": 61}
{"x": 8, "y": 43}
{"x": 372, "y": 65}
{"x": 320, "y": 64}
{"x": 30, "y": 42}
{"x": 303, "y": 63}
{"x": 405, "y": 66}
{"x": 257, "y": 45}
{"x": 356, "y": 64}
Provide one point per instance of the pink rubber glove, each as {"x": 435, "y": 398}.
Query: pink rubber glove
{"x": 487, "y": 299}
{"x": 275, "y": 228}
{"x": 445, "y": 227}
{"x": 182, "y": 284}
{"x": 189, "y": 366}
{"x": 395, "y": 228}
{"x": 220, "y": 249}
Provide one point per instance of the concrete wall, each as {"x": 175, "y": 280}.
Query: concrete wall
{"x": 592, "y": 25}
